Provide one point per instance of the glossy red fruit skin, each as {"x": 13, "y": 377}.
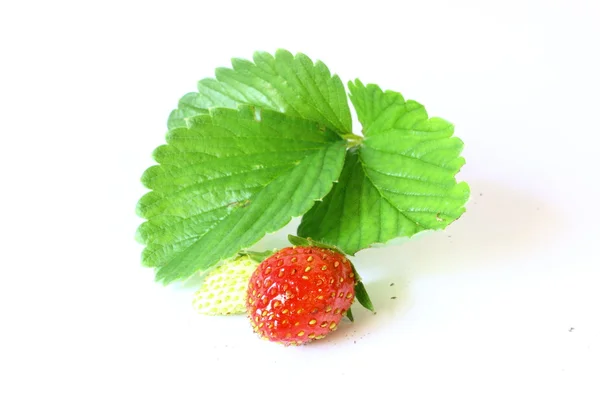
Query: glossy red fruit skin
{"x": 300, "y": 294}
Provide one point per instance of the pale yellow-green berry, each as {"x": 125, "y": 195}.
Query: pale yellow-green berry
{"x": 223, "y": 291}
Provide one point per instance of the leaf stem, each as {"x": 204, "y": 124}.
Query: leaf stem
{"x": 352, "y": 139}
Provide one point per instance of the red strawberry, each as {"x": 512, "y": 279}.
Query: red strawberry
{"x": 299, "y": 294}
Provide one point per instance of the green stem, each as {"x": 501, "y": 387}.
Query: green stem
{"x": 352, "y": 139}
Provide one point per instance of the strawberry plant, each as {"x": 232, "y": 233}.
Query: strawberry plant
{"x": 272, "y": 139}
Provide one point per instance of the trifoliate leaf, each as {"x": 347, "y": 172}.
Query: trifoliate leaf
{"x": 290, "y": 84}
{"x": 223, "y": 290}
{"x": 399, "y": 181}
{"x": 226, "y": 180}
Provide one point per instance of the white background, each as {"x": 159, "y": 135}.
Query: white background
{"x": 502, "y": 305}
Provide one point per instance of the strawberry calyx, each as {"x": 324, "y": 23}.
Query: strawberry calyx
{"x": 309, "y": 242}
{"x": 258, "y": 256}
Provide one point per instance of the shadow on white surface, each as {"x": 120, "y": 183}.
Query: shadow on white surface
{"x": 502, "y": 227}
{"x": 501, "y": 223}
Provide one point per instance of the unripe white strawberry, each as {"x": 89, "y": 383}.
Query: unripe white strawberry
{"x": 223, "y": 291}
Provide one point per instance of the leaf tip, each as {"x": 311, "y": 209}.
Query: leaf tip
{"x": 139, "y": 235}
{"x": 349, "y": 314}
{"x": 140, "y": 207}
{"x": 355, "y": 84}
{"x": 283, "y": 53}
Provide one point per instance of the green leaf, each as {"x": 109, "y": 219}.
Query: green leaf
{"x": 398, "y": 182}
{"x": 290, "y": 84}
{"x": 178, "y": 117}
{"x": 226, "y": 180}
